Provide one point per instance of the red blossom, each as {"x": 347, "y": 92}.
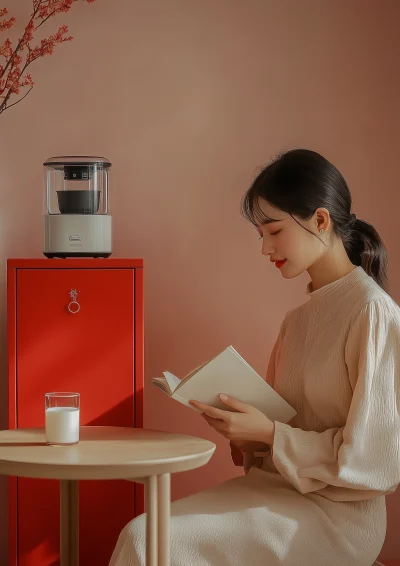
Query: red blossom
{"x": 47, "y": 46}
{"x": 6, "y": 24}
{"x": 27, "y": 80}
{"x": 6, "y": 50}
{"x": 18, "y": 58}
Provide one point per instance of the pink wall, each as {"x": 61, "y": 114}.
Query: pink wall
{"x": 187, "y": 98}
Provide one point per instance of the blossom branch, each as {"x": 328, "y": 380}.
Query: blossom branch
{"x": 18, "y": 59}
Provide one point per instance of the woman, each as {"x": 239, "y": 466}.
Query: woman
{"x": 314, "y": 490}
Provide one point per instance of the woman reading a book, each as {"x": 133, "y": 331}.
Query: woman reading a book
{"x": 313, "y": 492}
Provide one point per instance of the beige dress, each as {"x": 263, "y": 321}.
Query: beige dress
{"x": 317, "y": 499}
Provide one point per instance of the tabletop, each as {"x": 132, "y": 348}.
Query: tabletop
{"x": 102, "y": 453}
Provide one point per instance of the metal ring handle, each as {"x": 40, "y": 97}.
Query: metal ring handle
{"x": 74, "y": 307}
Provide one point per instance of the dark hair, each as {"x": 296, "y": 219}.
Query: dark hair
{"x": 300, "y": 181}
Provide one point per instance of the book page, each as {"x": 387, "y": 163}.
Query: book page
{"x": 229, "y": 373}
{"x": 172, "y": 380}
{"x": 193, "y": 372}
{"x": 162, "y": 384}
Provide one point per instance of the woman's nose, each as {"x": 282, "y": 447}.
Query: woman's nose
{"x": 266, "y": 248}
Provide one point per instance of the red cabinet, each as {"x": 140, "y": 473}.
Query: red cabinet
{"x": 94, "y": 347}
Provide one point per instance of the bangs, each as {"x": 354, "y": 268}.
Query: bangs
{"x": 263, "y": 187}
{"x": 251, "y": 209}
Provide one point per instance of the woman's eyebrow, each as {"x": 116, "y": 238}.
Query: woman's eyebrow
{"x": 270, "y": 221}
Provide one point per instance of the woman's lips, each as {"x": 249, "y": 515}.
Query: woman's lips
{"x": 280, "y": 263}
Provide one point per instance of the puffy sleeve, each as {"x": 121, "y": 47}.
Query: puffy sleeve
{"x": 364, "y": 454}
{"x": 248, "y": 459}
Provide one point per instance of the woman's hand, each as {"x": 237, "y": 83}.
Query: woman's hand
{"x": 247, "y": 424}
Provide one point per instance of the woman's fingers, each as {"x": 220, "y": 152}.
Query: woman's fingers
{"x": 217, "y": 424}
{"x": 211, "y": 411}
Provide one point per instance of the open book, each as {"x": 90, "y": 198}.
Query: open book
{"x": 227, "y": 373}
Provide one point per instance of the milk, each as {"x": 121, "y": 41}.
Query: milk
{"x": 62, "y": 425}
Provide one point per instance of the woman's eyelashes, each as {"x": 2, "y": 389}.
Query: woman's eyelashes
{"x": 271, "y": 234}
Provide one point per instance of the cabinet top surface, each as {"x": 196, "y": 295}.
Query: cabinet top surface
{"x": 82, "y": 263}
{"x": 102, "y": 453}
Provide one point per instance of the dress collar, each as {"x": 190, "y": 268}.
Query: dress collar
{"x": 338, "y": 286}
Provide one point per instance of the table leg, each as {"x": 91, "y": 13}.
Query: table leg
{"x": 69, "y": 523}
{"x": 151, "y": 520}
{"x": 164, "y": 516}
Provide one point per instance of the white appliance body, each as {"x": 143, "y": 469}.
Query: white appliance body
{"x": 77, "y": 235}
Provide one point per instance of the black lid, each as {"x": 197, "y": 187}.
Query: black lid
{"x": 77, "y": 160}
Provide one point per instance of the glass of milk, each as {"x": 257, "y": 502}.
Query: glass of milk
{"x": 62, "y": 418}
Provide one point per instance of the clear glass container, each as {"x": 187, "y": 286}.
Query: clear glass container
{"x": 62, "y": 417}
{"x": 76, "y": 185}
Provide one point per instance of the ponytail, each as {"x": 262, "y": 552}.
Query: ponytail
{"x": 365, "y": 247}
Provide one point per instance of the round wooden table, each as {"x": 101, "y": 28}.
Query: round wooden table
{"x": 146, "y": 456}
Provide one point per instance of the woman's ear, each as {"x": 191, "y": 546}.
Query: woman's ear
{"x": 322, "y": 220}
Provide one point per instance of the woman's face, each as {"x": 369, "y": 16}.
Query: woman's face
{"x": 288, "y": 243}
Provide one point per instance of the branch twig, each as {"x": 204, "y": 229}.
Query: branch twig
{"x": 3, "y": 109}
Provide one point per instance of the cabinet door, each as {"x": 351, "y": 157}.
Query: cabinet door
{"x": 91, "y": 352}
